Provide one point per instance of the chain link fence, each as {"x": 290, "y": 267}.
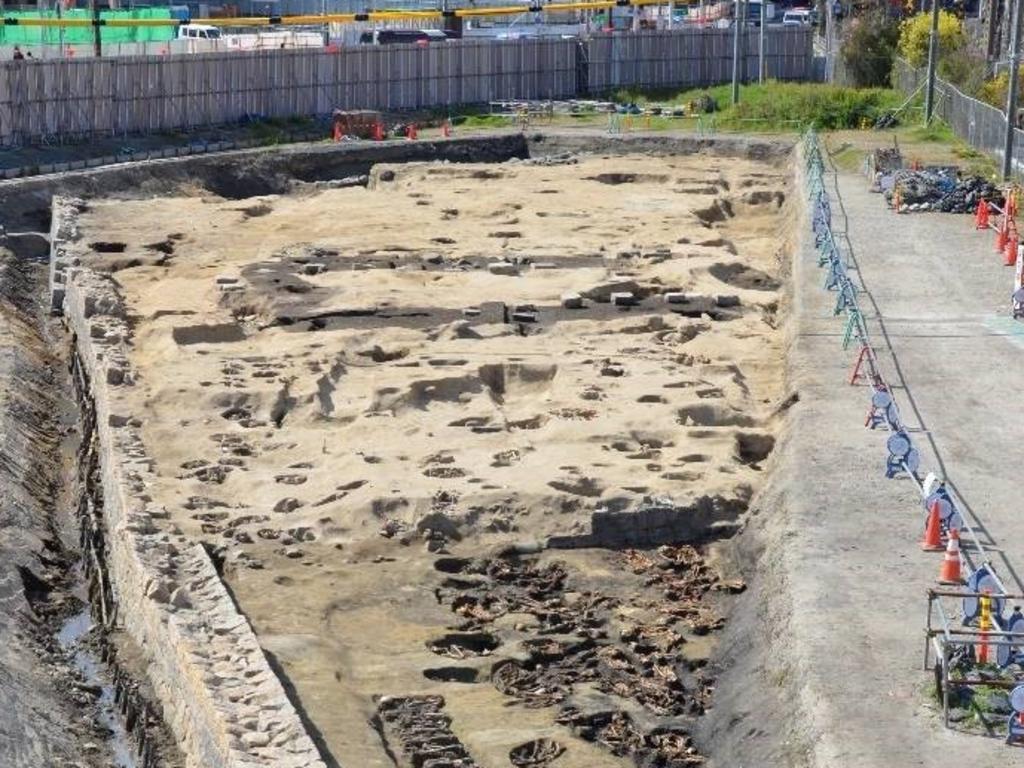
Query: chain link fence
{"x": 977, "y": 123}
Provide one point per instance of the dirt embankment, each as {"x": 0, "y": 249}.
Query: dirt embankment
{"x": 46, "y": 715}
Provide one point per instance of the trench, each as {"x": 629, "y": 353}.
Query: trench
{"x": 138, "y": 738}
{"x": 79, "y": 706}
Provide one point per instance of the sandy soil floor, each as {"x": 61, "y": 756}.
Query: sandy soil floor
{"x": 344, "y": 387}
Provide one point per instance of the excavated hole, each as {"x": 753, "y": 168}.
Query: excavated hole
{"x": 615, "y": 179}
{"x": 752, "y": 448}
{"x": 742, "y": 276}
{"x": 452, "y": 564}
{"x": 103, "y": 246}
{"x": 452, "y": 674}
{"x": 460, "y": 644}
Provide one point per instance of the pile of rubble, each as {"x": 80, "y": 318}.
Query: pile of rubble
{"x": 941, "y": 189}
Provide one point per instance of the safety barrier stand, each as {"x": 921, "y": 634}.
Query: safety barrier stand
{"x": 982, "y": 637}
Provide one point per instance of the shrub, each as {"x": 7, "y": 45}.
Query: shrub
{"x": 966, "y": 70}
{"x": 914, "y": 33}
{"x": 826, "y": 106}
{"x": 869, "y": 48}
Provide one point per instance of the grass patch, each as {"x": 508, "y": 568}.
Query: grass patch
{"x": 482, "y": 121}
{"x": 779, "y": 106}
{"x": 975, "y": 162}
{"x": 278, "y": 130}
{"x": 936, "y": 131}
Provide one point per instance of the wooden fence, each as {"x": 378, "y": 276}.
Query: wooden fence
{"x": 694, "y": 58}
{"x": 57, "y": 99}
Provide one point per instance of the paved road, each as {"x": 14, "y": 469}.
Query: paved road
{"x": 937, "y": 300}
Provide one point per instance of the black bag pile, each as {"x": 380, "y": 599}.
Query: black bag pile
{"x": 942, "y": 189}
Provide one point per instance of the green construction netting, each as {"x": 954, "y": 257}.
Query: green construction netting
{"x": 29, "y": 36}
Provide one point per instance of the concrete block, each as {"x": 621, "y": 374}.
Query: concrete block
{"x": 622, "y": 299}
{"x": 314, "y": 268}
{"x": 94, "y": 162}
{"x": 572, "y": 301}
{"x": 493, "y": 312}
{"x": 727, "y": 301}
{"x": 109, "y": 159}
{"x": 61, "y": 167}
{"x": 524, "y": 316}
{"x": 544, "y": 265}
{"x": 168, "y": 152}
{"x": 12, "y": 173}
{"x": 77, "y": 165}
{"x": 471, "y": 312}
{"x": 503, "y": 268}
{"x": 675, "y": 298}
{"x": 46, "y": 168}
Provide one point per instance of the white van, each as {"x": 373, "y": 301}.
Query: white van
{"x": 198, "y": 32}
{"x": 797, "y": 17}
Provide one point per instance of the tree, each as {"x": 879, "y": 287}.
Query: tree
{"x": 915, "y": 31}
{"x": 869, "y": 47}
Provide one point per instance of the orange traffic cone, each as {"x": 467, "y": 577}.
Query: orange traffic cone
{"x": 933, "y": 532}
{"x": 896, "y": 200}
{"x": 1010, "y": 254}
{"x": 410, "y": 132}
{"x": 336, "y": 133}
{"x": 981, "y": 217}
{"x": 446, "y": 129}
{"x": 1011, "y": 203}
{"x": 378, "y": 131}
{"x": 950, "y": 572}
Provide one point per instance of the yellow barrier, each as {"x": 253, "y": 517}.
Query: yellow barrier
{"x": 336, "y": 18}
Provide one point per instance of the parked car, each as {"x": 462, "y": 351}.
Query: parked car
{"x": 797, "y": 17}
{"x": 198, "y": 31}
{"x": 406, "y": 36}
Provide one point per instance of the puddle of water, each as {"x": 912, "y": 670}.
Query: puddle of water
{"x": 71, "y": 638}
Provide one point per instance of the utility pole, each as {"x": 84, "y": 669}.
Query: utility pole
{"x": 993, "y": 18}
{"x": 1011, "y": 98}
{"x": 96, "y": 42}
{"x": 933, "y": 55}
{"x": 760, "y": 46}
{"x": 60, "y": 30}
{"x": 736, "y": 52}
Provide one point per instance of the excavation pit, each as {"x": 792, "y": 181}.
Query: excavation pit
{"x": 337, "y": 394}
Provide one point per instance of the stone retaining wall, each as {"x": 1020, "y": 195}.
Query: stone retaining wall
{"x": 219, "y": 695}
